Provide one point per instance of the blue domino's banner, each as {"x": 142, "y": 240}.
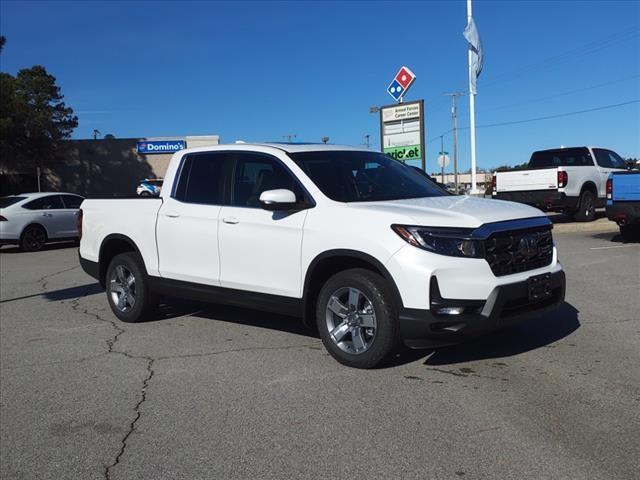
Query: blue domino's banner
{"x": 161, "y": 146}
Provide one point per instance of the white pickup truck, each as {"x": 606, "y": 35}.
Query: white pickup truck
{"x": 568, "y": 180}
{"x": 361, "y": 245}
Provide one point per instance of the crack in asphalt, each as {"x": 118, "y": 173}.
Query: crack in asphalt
{"x": 43, "y": 281}
{"x": 132, "y": 425}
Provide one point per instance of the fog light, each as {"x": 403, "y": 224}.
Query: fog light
{"x": 449, "y": 310}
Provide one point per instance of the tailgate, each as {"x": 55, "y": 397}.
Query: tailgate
{"x": 522, "y": 180}
{"x": 626, "y": 187}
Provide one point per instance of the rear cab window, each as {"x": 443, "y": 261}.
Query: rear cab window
{"x": 565, "y": 157}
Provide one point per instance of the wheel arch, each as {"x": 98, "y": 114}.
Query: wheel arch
{"x": 111, "y": 246}
{"x": 36, "y": 224}
{"x": 328, "y": 263}
{"x": 589, "y": 185}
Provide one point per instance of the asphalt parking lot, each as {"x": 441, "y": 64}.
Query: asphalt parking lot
{"x": 211, "y": 392}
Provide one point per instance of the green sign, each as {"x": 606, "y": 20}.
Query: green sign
{"x": 408, "y": 152}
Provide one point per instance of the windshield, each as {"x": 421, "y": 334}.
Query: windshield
{"x": 352, "y": 176}
{"x": 7, "y": 201}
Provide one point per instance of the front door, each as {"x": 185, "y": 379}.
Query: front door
{"x": 260, "y": 249}
{"x": 187, "y": 229}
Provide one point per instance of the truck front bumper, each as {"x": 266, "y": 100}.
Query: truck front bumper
{"x": 507, "y": 304}
{"x": 624, "y": 213}
{"x": 543, "y": 199}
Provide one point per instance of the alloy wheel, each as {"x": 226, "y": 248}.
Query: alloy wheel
{"x": 122, "y": 288}
{"x": 351, "y": 320}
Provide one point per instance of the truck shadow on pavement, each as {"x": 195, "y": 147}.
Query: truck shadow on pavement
{"x": 533, "y": 334}
{"x": 615, "y": 237}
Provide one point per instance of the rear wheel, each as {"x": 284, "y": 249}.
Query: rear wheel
{"x": 586, "y": 207}
{"x": 356, "y": 319}
{"x": 33, "y": 238}
{"x": 128, "y": 290}
{"x": 630, "y": 232}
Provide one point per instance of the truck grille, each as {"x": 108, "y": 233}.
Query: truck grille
{"x": 518, "y": 250}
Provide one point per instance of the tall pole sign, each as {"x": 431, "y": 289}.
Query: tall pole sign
{"x": 402, "y": 124}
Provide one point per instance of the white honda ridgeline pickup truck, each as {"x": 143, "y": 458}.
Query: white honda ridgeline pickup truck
{"x": 361, "y": 244}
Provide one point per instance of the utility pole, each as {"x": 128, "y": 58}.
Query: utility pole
{"x": 289, "y": 137}
{"x": 472, "y": 107}
{"x": 96, "y": 132}
{"x": 367, "y": 141}
{"x": 454, "y": 121}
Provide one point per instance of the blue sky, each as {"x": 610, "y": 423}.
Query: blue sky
{"x": 258, "y": 71}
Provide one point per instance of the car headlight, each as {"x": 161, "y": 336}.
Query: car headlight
{"x": 453, "y": 242}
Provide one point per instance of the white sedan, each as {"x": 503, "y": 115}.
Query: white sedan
{"x": 32, "y": 219}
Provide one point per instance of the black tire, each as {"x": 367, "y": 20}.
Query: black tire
{"x": 630, "y": 232}
{"x": 586, "y": 207}
{"x": 144, "y": 301}
{"x": 377, "y": 297}
{"x": 33, "y": 238}
{"x": 144, "y": 193}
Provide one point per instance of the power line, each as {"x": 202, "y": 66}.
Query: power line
{"x": 547, "y": 117}
{"x": 559, "y": 115}
{"x": 569, "y": 92}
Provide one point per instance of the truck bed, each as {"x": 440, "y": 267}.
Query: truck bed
{"x": 134, "y": 218}
{"x": 521, "y": 180}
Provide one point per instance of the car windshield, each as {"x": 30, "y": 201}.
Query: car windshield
{"x": 353, "y": 176}
{"x": 7, "y": 201}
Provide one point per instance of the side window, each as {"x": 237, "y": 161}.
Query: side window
{"x": 602, "y": 157}
{"x": 616, "y": 160}
{"x": 72, "y": 201}
{"x": 257, "y": 173}
{"x": 52, "y": 202}
{"x": 202, "y": 179}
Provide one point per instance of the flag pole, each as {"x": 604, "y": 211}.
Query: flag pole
{"x": 472, "y": 110}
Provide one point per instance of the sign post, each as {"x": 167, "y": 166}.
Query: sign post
{"x": 402, "y": 131}
{"x": 443, "y": 161}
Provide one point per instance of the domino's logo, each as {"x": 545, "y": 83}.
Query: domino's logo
{"x": 401, "y": 83}
{"x": 395, "y": 90}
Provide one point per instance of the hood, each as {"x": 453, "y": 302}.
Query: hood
{"x": 452, "y": 211}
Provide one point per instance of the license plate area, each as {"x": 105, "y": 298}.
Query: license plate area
{"x": 539, "y": 287}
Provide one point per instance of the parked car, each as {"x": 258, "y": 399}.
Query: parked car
{"x": 352, "y": 240}
{"x": 567, "y": 180}
{"x": 623, "y": 202}
{"x": 30, "y": 220}
{"x": 149, "y": 187}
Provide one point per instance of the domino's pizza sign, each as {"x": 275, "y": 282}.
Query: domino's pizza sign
{"x": 160, "y": 146}
{"x": 401, "y": 83}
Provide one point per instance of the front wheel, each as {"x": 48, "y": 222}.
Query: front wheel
{"x": 356, "y": 318}
{"x": 128, "y": 290}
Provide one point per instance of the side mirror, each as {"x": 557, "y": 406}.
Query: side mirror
{"x": 278, "y": 200}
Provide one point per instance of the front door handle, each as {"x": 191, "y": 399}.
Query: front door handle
{"x": 172, "y": 214}
{"x": 47, "y": 215}
{"x": 230, "y": 220}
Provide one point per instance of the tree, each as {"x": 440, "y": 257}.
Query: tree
{"x": 33, "y": 117}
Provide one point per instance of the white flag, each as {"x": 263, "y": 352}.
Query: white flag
{"x": 473, "y": 37}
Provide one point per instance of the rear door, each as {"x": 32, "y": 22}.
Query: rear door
{"x": 48, "y": 212}
{"x": 69, "y": 215}
{"x": 260, "y": 249}
{"x": 187, "y": 228}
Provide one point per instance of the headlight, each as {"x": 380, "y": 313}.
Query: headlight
{"x": 454, "y": 242}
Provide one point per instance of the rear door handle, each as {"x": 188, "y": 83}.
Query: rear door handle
{"x": 230, "y": 220}
{"x": 172, "y": 214}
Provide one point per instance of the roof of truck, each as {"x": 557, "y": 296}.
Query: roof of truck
{"x": 287, "y": 147}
